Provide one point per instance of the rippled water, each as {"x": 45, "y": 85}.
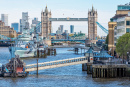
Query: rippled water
{"x": 69, "y": 76}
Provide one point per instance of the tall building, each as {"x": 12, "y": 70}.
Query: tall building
{"x": 34, "y": 23}
{"x": 7, "y": 31}
{"x": 66, "y": 34}
{"x": 122, "y": 10}
{"x": 20, "y": 29}
{"x": 15, "y": 26}
{"x": 59, "y": 31}
{"x": 4, "y": 18}
{"x": 24, "y": 21}
{"x": 45, "y": 23}
{"x": 66, "y": 31}
{"x": 72, "y": 29}
{"x": 61, "y": 27}
{"x": 92, "y": 26}
{"x": 118, "y": 25}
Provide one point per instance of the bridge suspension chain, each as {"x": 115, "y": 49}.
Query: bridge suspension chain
{"x": 104, "y": 29}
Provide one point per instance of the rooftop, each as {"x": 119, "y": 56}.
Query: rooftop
{"x": 103, "y": 54}
{"x": 119, "y": 16}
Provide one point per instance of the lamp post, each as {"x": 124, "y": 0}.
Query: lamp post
{"x": 37, "y": 66}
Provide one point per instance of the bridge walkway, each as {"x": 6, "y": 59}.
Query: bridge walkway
{"x": 55, "y": 64}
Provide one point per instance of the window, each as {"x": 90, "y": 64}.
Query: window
{"x": 127, "y": 30}
{"x": 115, "y": 33}
{"x": 127, "y": 22}
{"x": 120, "y": 23}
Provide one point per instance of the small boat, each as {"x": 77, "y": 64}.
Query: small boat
{"x": 15, "y": 68}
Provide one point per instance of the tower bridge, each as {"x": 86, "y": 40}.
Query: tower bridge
{"x": 46, "y": 22}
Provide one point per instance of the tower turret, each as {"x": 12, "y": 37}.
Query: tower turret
{"x": 45, "y": 23}
{"x": 92, "y": 9}
{"x": 46, "y": 10}
{"x": 92, "y": 26}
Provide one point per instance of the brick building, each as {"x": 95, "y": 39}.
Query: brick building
{"x": 6, "y": 30}
{"x": 118, "y": 25}
{"x": 111, "y": 46}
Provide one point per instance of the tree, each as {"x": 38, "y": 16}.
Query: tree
{"x": 123, "y": 45}
{"x": 105, "y": 46}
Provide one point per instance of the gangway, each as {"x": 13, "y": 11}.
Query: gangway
{"x": 55, "y": 64}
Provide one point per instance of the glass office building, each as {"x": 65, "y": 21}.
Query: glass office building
{"x": 72, "y": 29}
{"x": 4, "y": 18}
{"x": 124, "y": 7}
{"x": 15, "y": 26}
{"x": 34, "y": 23}
{"x": 61, "y": 27}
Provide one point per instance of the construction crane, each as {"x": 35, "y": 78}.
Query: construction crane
{"x": 104, "y": 29}
{"x": 33, "y": 29}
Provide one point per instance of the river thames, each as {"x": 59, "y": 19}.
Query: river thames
{"x": 69, "y": 76}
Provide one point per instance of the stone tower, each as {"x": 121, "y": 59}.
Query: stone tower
{"x": 45, "y": 23}
{"x": 92, "y": 26}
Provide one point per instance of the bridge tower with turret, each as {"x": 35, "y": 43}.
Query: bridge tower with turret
{"x": 92, "y": 26}
{"x": 45, "y": 23}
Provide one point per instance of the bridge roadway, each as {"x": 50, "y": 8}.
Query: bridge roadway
{"x": 83, "y": 40}
{"x": 57, "y": 63}
{"x": 69, "y": 46}
{"x": 68, "y": 19}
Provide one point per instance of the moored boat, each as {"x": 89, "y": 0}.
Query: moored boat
{"x": 27, "y": 44}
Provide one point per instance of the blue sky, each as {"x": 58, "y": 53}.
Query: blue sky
{"x": 106, "y": 9}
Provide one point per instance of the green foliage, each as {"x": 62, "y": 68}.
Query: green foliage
{"x": 105, "y": 46}
{"x": 123, "y": 44}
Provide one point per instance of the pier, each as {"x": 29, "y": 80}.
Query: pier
{"x": 110, "y": 71}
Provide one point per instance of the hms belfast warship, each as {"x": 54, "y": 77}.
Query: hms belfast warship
{"x": 27, "y": 44}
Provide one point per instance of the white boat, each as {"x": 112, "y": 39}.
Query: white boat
{"x": 26, "y": 45}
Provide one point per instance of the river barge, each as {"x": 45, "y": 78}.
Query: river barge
{"x": 15, "y": 68}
